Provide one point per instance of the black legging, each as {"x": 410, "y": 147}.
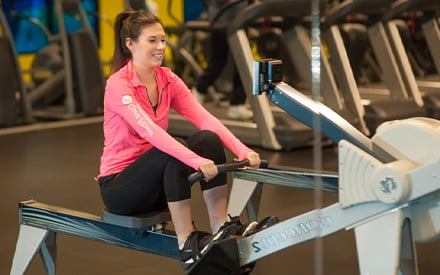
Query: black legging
{"x": 156, "y": 178}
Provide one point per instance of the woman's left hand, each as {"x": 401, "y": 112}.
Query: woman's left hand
{"x": 208, "y": 169}
{"x": 254, "y": 159}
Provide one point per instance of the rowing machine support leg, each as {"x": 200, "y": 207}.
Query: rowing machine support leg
{"x": 30, "y": 240}
{"x": 48, "y": 252}
{"x": 40, "y": 224}
{"x": 253, "y": 205}
{"x": 244, "y": 193}
{"x": 390, "y": 250}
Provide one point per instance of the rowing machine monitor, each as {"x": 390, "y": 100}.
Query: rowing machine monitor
{"x": 267, "y": 72}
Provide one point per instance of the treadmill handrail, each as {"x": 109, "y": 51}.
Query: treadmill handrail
{"x": 339, "y": 13}
{"x": 213, "y": 24}
{"x": 401, "y": 6}
{"x": 283, "y": 8}
{"x": 228, "y": 6}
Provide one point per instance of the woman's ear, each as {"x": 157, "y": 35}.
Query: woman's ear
{"x": 129, "y": 43}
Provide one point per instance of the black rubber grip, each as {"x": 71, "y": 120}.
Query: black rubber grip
{"x": 223, "y": 168}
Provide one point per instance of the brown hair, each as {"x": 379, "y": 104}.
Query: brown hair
{"x": 129, "y": 24}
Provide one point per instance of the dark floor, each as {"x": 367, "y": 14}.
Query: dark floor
{"x": 57, "y": 166}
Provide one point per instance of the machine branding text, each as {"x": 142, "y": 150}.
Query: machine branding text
{"x": 291, "y": 232}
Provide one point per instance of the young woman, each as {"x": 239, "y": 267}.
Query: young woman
{"x": 143, "y": 168}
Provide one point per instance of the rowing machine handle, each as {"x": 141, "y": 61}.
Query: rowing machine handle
{"x": 227, "y": 167}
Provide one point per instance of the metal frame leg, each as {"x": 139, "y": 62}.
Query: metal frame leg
{"x": 48, "y": 252}
{"x": 385, "y": 246}
{"x": 30, "y": 240}
{"x": 263, "y": 115}
{"x": 240, "y": 194}
{"x": 408, "y": 254}
{"x": 253, "y": 205}
{"x": 432, "y": 33}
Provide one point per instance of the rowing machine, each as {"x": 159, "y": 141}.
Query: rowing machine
{"x": 389, "y": 189}
{"x": 388, "y": 192}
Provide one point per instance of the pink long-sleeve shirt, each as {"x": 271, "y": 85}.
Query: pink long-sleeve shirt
{"x": 132, "y": 126}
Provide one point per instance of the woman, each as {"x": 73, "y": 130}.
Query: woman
{"x": 143, "y": 168}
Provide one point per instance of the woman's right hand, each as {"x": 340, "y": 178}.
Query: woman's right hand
{"x": 209, "y": 170}
{"x": 254, "y": 159}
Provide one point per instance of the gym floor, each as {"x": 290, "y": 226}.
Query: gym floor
{"x": 55, "y": 163}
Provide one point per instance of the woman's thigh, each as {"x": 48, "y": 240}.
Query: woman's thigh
{"x": 139, "y": 187}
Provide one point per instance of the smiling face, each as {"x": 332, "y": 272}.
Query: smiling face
{"x": 149, "y": 49}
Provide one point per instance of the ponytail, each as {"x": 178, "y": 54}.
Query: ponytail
{"x": 121, "y": 54}
{"x": 129, "y": 24}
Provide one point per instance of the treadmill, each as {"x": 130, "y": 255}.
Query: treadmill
{"x": 12, "y": 111}
{"x": 76, "y": 88}
{"x": 429, "y": 86}
{"x": 296, "y": 37}
{"x": 395, "y": 100}
{"x": 271, "y": 127}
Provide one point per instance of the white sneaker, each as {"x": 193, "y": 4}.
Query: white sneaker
{"x": 199, "y": 96}
{"x": 239, "y": 112}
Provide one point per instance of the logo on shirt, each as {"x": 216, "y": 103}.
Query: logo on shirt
{"x": 126, "y": 99}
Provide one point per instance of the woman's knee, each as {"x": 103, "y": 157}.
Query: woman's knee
{"x": 206, "y": 137}
{"x": 211, "y": 136}
{"x": 207, "y": 144}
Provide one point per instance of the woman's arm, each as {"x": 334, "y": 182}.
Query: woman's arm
{"x": 186, "y": 105}
{"x": 121, "y": 99}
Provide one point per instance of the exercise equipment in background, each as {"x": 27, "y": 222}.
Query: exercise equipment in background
{"x": 67, "y": 77}
{"x": 15, "y": 107}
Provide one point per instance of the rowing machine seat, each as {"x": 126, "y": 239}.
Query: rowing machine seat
{"x": 137, "y": 221}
